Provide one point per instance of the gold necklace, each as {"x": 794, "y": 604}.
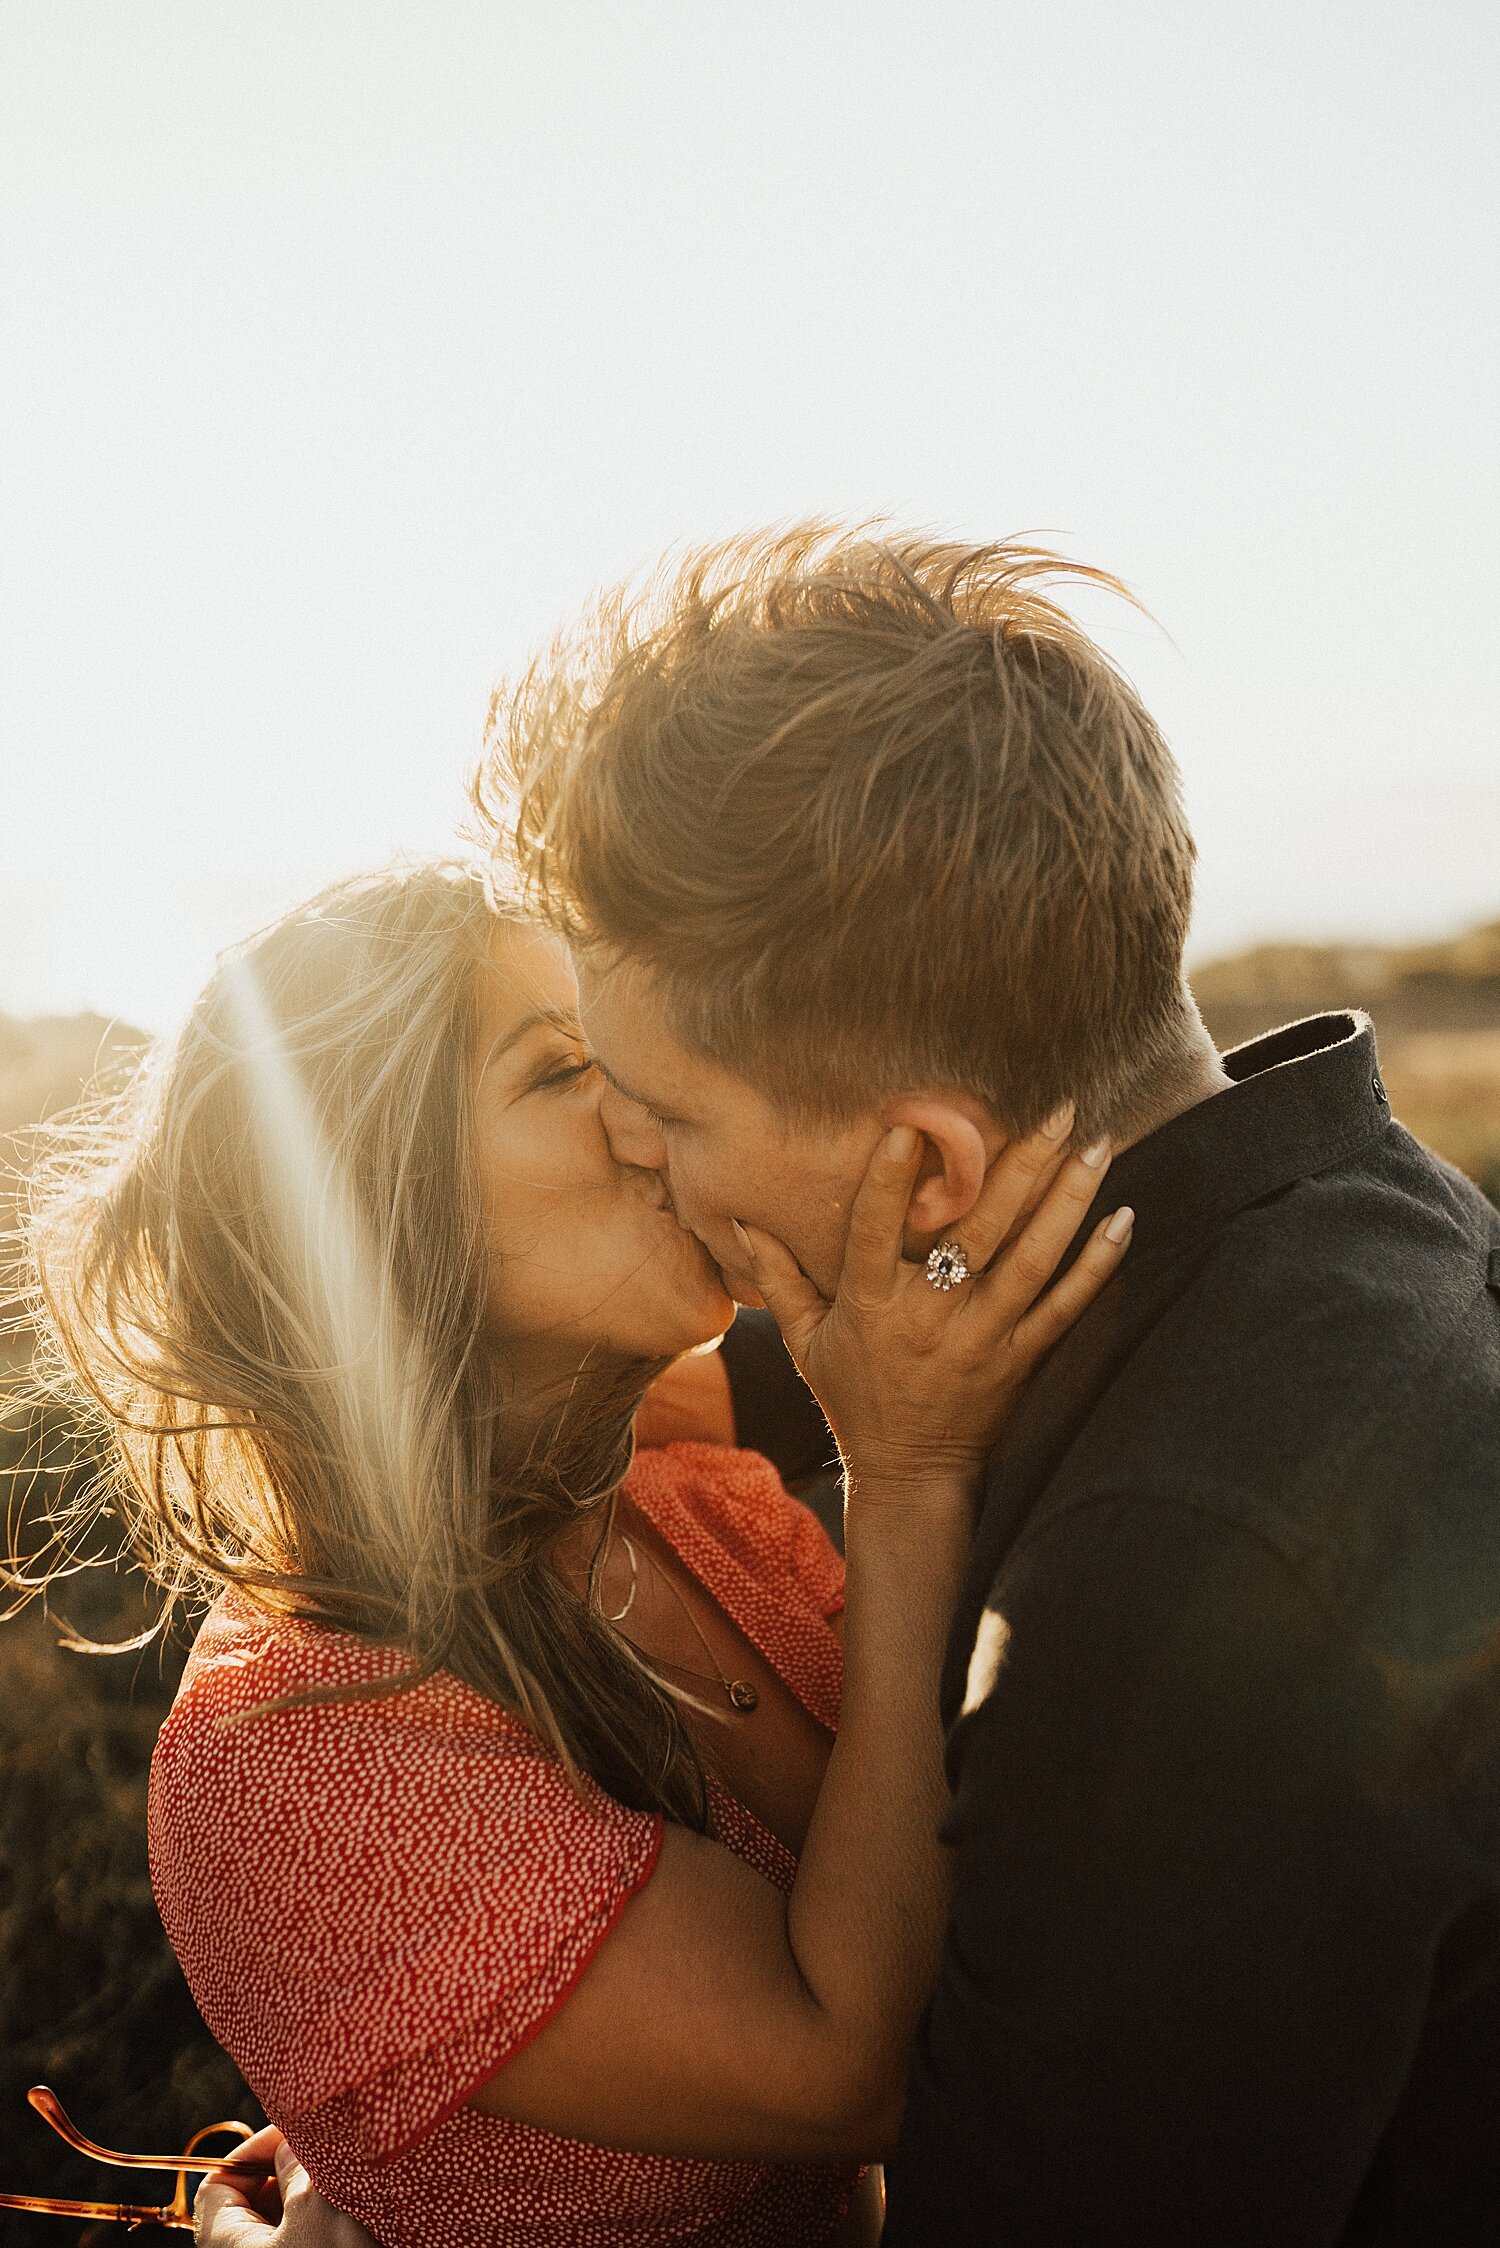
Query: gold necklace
{"x": 742, "y": 1696}
{"x": 621, "y": 1613}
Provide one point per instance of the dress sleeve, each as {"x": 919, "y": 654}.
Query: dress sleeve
{"x": 814, "y": 1560}
{"x": 738, "y": 1499}
{"x": 380, "y": 1902}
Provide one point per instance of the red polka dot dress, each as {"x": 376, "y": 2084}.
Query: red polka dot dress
{"x": 377, "y": 1904}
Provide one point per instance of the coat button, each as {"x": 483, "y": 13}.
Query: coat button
{"x": 1377, "y": 1088}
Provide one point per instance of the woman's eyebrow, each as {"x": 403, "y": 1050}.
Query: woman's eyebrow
{"x": 548, "y": 1018}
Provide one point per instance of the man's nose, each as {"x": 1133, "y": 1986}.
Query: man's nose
{"x": 632, "y": 1136}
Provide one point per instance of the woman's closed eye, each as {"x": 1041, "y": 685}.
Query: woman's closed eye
{"x": 565, "y": 1071}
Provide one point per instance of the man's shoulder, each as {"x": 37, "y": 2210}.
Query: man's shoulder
{"x": 1329, "y": 1382}
{"x": 1319, "y": 1305}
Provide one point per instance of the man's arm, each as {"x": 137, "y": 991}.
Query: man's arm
{"x": 1191, "y": 1943}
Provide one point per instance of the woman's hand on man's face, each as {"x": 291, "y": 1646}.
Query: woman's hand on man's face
{"x": 285, "y": 2212}
{"x": 918, "y": 1379}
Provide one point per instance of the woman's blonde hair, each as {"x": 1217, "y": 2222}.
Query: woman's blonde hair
{"x": 263, "y": 1268}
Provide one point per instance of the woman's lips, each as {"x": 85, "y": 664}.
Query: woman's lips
{"x": 663, "y": 1206}
{"x": 661, "y": 1201}
{"x": 658, "y": 1196}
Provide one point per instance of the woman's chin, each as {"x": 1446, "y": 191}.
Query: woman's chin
{"x": 673, "y": 1302}
{"x": 702, "y": 1306}
{"x": 654, "y": 1345}
{"x": 704, "y": 1321}
{"x": 699, "y": 1316}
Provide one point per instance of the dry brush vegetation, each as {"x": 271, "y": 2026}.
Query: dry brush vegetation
{"x": 91, "y": 1999}
{"x": 1436, "y": 1010}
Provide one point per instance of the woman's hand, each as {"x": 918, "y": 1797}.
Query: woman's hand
{"x": 285, "y": 2212}
{"x": 917, "y": 1382}
{"x": 724, "y": 2020}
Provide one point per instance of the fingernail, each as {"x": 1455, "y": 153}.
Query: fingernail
{"x": 1060, "y": 1122}
{"x": 1119, "y": 1226}
{"x": 1095, "y": 1156}
{"x": 901, "y": 1144}
{"x": 743, "y": 1238}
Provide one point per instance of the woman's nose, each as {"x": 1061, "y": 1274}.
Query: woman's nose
{"x": 632, "y": 1136}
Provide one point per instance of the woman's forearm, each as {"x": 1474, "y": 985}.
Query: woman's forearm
{"x": 724, "y": 2020}
{"x": 865, "y": 1916}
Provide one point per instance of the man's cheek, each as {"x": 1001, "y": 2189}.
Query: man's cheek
{"x": 698, "y": 1204}
{"x": 713, "y": 1226}
{"x": 740, "y": 1282}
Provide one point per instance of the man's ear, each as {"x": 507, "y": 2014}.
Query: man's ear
{"x": 960, "y": 1141}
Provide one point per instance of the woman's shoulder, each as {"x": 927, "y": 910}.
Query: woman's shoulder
{"x": 248, "y": 1657}
{"x": 712, "y": 1497}
{"x": 349, "y": 1881}
{"x": 321, "y": 1713}
{"x": 242, "y": 1644}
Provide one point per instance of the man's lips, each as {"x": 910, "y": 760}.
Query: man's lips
{"x": 659, "y": 1195}
{"x": 653, "y": 1190}
{"x": 659, "y": 1198}
{"x": 662, "y": 1202}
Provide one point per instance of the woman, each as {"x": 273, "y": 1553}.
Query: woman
{"x": 501, "y": 1825}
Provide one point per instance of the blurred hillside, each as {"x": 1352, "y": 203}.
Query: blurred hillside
{"x": 45, "y": 1064}
{"x": 1436, "y": 1009}
{"x": 1408, "y": 988}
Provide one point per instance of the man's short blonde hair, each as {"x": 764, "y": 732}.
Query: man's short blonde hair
{"x": 875, "y": 814}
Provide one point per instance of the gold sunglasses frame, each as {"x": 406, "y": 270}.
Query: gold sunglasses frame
{"x": 173, "y": 2216}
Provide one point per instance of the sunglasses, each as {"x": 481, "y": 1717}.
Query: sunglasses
{"x": 174, "y": 2215}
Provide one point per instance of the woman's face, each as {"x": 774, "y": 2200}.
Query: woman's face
{"x": 587, "y": 1259}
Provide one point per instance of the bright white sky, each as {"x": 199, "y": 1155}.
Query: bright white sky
{"x": 346, "y": 344}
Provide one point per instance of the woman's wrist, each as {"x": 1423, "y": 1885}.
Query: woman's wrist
{"x": 915, "y": 1479}
{"x": 924, "y": 1502}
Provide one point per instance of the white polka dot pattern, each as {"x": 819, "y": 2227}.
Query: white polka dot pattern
{"x": 375, "y": 1904}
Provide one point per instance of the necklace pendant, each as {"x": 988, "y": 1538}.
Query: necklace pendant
{"x": 743, "y": 1695}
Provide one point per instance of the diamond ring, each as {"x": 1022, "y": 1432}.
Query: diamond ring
{"x": 947, "y": 1266}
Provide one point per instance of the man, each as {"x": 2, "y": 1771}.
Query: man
{"x": 849, "y": 833}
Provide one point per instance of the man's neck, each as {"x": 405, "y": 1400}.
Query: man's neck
{"x": 1200, "y": 1075}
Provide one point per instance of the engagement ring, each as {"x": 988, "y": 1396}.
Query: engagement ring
{"x": 947, "y": 1266}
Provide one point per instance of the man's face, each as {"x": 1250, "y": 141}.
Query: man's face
{"x": 722, "y": 1149}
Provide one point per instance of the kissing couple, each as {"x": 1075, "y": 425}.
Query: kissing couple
{"x": 566, "y": 1842}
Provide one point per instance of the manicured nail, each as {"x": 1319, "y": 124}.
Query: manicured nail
{"x": 1060, "y": 1122}
{"x": 1119, "y": 1226}
{"x": 743, "y": 1238}
{"x": 1096, "y": 1156}
{"x": 900, "y": 1144}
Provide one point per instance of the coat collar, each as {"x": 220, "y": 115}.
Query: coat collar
{"x": 1302, "y": 1099}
